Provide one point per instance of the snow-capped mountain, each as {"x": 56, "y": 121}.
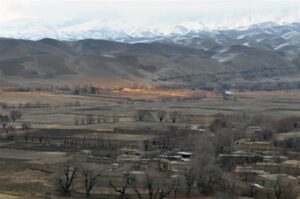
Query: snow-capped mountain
{"x": 114, "y": 30}
{"x": 186, "y": 54}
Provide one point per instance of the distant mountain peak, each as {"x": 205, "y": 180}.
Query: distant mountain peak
{"x": 110, "y": 30}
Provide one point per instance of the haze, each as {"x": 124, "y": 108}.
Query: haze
{"x": 146, "y": 13}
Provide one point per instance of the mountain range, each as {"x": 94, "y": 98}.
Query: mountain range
{"x": 261, "y": 56}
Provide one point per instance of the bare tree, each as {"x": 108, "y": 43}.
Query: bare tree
{"x": 26, "y": 126}
{"x": 89, "y": 180}
{"x": 14, "y": 115}
{"x": 122, "y": 191}
{"x": 190, "y": 180}
{"x": 202, "y": 173}
{"x": 221, "y": 121}
{"x": 99, "y": 119}
{"x": 278, "y": 188}
{"x": 142, "y": 115}
{"x": 150, "y": 186}
{"x": 161, "y": 115}
{"x": 115, "y": 118}
{"x": 77, "y": 103}
{"x": 76, "y": 121}
{"x": 131, "y": 181}
{"x": 207, "y": 173}
{"x": 90, "y": 119}
{"x": 65, "y": 184}
{"x": 4, "y": 119}
{"x": 284, "y": 189}
{"x": 174, "y": 116}
{"x": 230, "y": 186}
{"x": 133, "y": 184}
{"x": 224, "y": 138}
{"x": 3, "y": 105}
{"x": 156, "y": 189}
{"x": 209, "y": 178}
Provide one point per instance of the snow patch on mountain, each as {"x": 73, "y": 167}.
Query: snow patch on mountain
{"x": 121, "y": 30}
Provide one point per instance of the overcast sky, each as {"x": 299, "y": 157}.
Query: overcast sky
{"x": 146, "y": 12}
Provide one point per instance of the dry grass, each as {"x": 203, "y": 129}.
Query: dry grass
{"x": 125, "y": 104}
{"x": 196, "y": 107}
{"x": 172, "y": 93}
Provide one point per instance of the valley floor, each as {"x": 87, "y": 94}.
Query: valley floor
{"x": 116, "y": 132}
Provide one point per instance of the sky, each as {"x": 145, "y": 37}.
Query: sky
{"x": 152, "y": 13}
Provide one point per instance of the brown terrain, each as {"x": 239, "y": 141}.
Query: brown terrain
{"x": 204, "y": 115}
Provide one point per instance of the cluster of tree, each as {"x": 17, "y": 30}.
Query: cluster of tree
{"x": 90, "y": 143}
{"x": 4, "y": 119}
{"x": 204, "y": 175}
{"x": 175, "y": 137}
{"x": 226, "y": 80}
{"x": 235, "y": 125}
{"x": 227, "y": 130}
{"x": 78, "y": 90}
{"x": 26, "y": 126}
{"x": 147, "y": 115}
{"x": 71, "y": 104}
{"x": 70, "y": 174}
{"x": 153, "y": 183}
{"x": 34, "y": 105}
{"x": 42, "y": 105}
{"x": 91, "y": 119}
{"x": 134, "y": 86}
{"x": 4, "y": 105}
{"x": 86, "y": 89}
{"x": 268, "y": 86}
{"x": 156, "y": 185}
{"x": 13, "y": 116}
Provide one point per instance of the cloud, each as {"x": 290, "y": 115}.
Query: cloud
{"x": 154, "y": 12}
{"x": 7, "y": 12}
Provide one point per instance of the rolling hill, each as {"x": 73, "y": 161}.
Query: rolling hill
{"x": 264, "y": 54}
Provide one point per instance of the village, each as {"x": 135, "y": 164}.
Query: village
{"x": 162, "y": 154}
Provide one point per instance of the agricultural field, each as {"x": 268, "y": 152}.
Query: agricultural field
{"x": 168, "y": 99}
{"x": 110, "y": 134}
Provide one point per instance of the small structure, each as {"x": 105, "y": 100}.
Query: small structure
{"x": 248, "y": 173}
{"x": 196, "y": 127}
{"x": 269, "y": 180}
{"x": 239, "y": 158}
{"x": 150, "y": 144}
{"x": 128, "y": 151}
{"x": 270, "y": 167}
{"x": 185, "y": 155}
{"x": 272, "y": 158}
{"x": 291, "y": 167}
{"x": 174, "y": 161}
{"x": 171, "y": 165}
{"x": 254, "y": 133}
{"x": 254, "y": 146}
